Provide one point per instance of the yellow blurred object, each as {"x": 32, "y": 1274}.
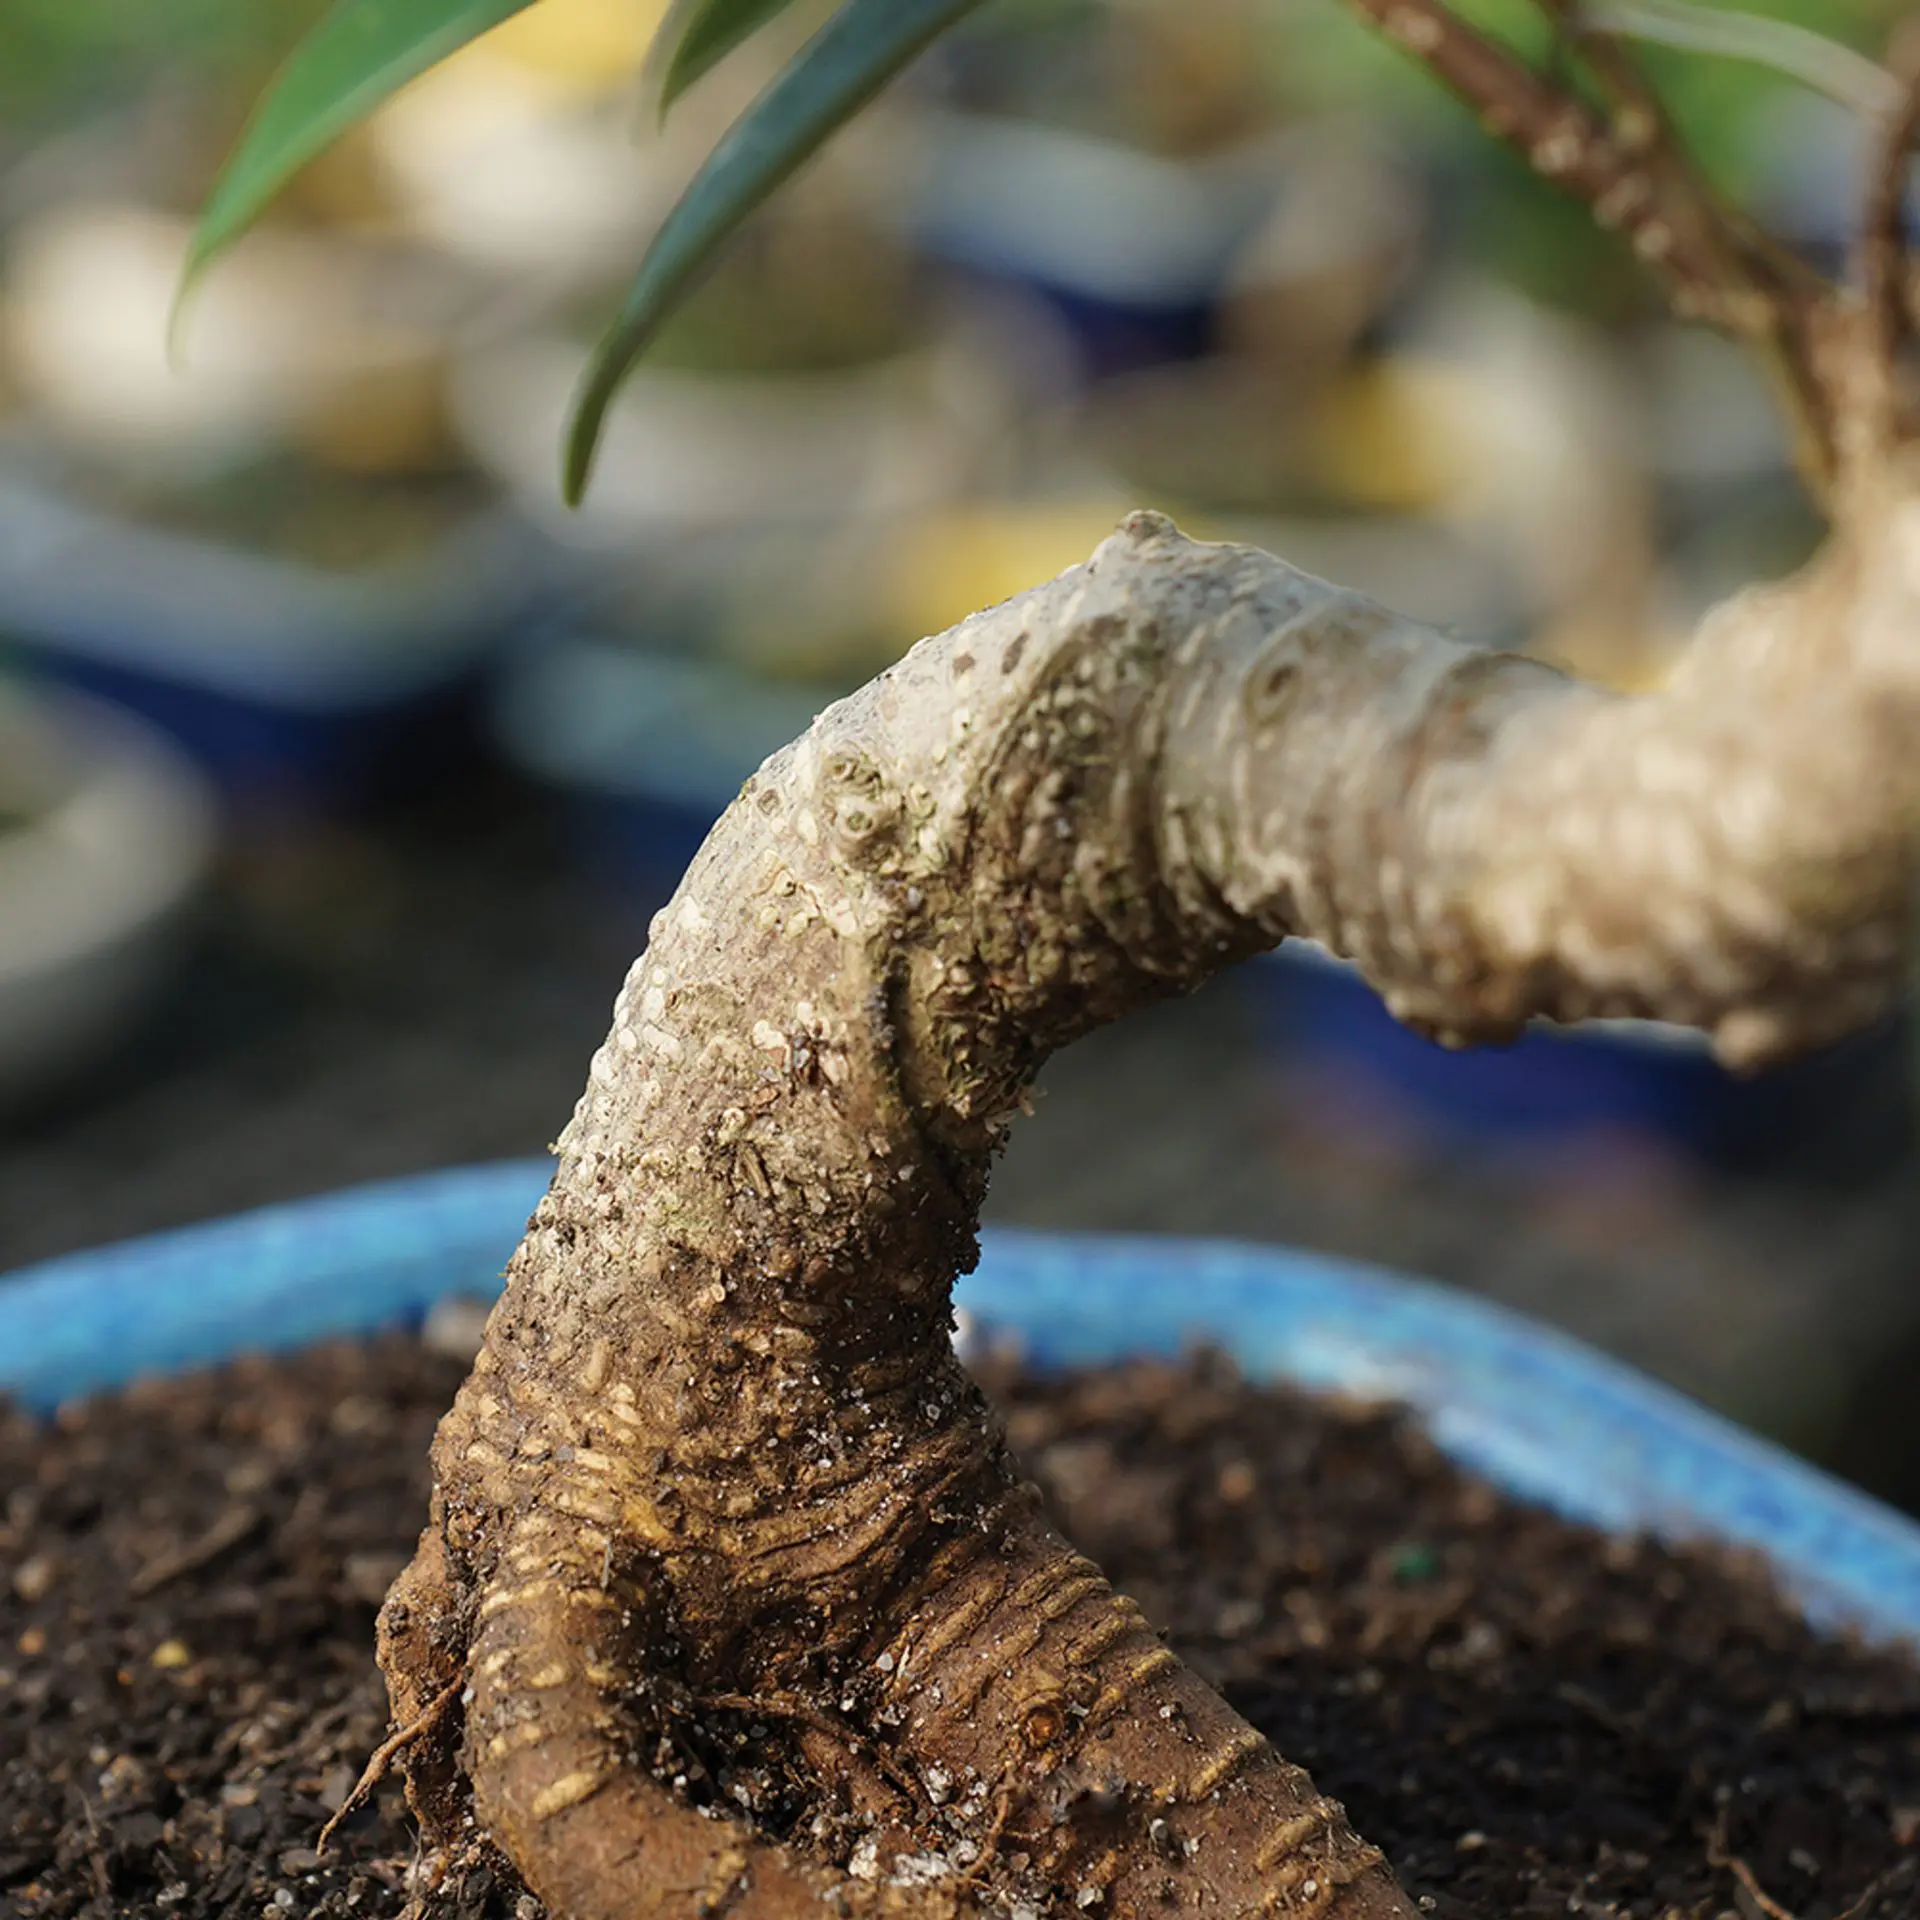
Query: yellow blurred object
{"x": 1422, "y": 434}
{"x": 1400, "y": 435}
{"x": 1623, "y": 654}
{"x": 387, "y": 418}
{"x": 583, "y": 43}
{"x": 342, "y": 185}
{"x": 953, "y": 564}
{"x": 524, "y": 166}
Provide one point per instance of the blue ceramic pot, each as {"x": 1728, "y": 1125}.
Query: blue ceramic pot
{"x": 1532, "y": 1410}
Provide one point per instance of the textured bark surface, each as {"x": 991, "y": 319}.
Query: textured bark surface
{"x": 717, "y": 1459}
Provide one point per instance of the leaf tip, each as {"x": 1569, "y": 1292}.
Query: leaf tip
{"x": 612, "y": 361}
{"x": 583, "y": 444}
{"x": 193, "y": 268}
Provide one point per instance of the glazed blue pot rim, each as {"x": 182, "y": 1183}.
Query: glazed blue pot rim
{"x": 1533, "y": 1410}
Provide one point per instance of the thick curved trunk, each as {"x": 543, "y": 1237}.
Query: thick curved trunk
{"x": 717, "y": 1469}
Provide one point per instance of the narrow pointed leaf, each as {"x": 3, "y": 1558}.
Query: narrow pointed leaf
{"x": 359, "y": 54}
{"x": 832, "y": 77}
{"x": 698, "y": 34}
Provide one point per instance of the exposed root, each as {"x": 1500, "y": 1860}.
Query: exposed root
{"x": 557, "y": 1782}
{"x": 383, "y": 1757}
{"x": 1764, "y": 1902}
{"x": 1047, "y": 1750}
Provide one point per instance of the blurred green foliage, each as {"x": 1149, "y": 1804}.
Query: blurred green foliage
{"x": 61, "y": 59}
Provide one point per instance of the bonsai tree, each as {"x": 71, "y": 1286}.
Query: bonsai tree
{"x": 717, "y": 1486}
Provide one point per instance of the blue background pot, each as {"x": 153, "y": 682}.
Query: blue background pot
{"x": 97, "y": 884}
{"x": 298, "y": 688}
{"x": 1559, "y": 1087}
{"x": 646, "y": 749}
{"x": 1534, "y": 1411}
{"x": 1130, "y": 252}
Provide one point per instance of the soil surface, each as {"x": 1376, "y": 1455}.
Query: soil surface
{"x": 1530, "y": 1718}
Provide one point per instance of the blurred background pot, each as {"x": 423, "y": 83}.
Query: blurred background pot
{"x": 1129, "y": 178}
{"x": 1129, "y": 250}
{"x": 106, "y": 838}
{"x": 317, "y": 341}
{"x": 303, "y": 680}
{"x": 645, "y": 750}
{"x": 873, "y": 422}
{"x": 266, "y": 542}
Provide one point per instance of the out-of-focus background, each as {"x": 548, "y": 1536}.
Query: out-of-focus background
{"x": 341, "y": 769}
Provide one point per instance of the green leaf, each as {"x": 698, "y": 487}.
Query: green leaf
{"x": 832, "y": 77}
{"x": 698, "y": 34}
{"x": 362, "y": 52}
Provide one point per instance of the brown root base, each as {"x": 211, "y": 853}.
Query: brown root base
{"x": 1130, "y": 1786}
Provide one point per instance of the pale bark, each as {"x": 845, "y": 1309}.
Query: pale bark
{"x": 717, "y": 1449}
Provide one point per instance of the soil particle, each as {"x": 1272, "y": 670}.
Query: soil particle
{"x": 1531, "y": 1718}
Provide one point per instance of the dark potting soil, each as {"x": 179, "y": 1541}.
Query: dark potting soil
{"x": 1532, "y": 1719}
